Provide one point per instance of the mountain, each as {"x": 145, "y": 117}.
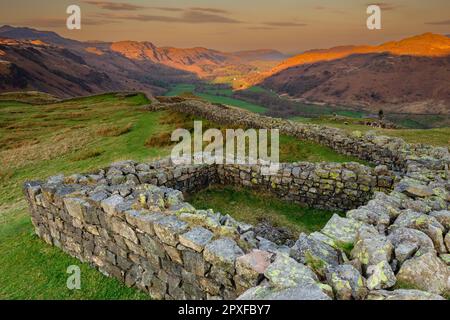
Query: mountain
{"x": 395, "y": 83}
{"x": 193, "y": 63}
{"x": 427, "y": 44}
{"x": 410, "y": 75}
{"x": 35, "y": 65}
{"x": 22, "y": 33}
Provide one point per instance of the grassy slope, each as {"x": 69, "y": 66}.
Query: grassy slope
{"x": 211, "y": 97}
{"x": 78, "y": 136}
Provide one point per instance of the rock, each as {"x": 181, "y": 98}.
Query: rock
{"x": 402, "y": 294}
{"x": 443, "y": 217}
{"x": 123, "y": 229}
{"x": 427, "y": 272}
{"x": 303, "y": 292}
{"x": 266, "y": 245}
{"x": 347, "y": 282}
{"x": 169, "y": 228}
{"x": 76, "y": 207}
{"x": 376, "y": 216}
{"x": 418, "y": 191}
{"x": 371, "y": 248}
{"x": 196, "y": 239}
{"x": 251, "y": 267}
{"x": 380, "y": 276}
{"x": 409, "y": 242}
{"x": 285, "y": 272}
{"x": 427, "y": 224}
{"x": 222, "y": 253}
{"x": 342, "y": 230}
{"x": 110, "y": 204}
{"x": 318, "y": 255}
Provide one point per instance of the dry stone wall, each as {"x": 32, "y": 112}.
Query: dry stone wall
{"x": 131, "y": 222}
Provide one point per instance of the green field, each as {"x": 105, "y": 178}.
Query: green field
{"x": 212, "y": 97}
{"x": 80, "y": 135}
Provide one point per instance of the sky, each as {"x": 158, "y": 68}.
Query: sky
{"x": 290, "y": 26}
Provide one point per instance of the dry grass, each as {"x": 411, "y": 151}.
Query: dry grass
{"x": 162, "y": 139}
{"x": 114, "y": 131}
{"x": 89, "y": 154}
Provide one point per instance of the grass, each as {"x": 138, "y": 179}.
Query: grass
{"x": 181, "y": 89}
{"x": 254, "y": 207}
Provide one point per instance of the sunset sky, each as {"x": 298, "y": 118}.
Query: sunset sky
{"x": 287, "y": 25}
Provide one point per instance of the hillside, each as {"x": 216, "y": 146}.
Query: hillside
{"x": 397, "y": 84}
{"x": 130, "y": 65}
{"x": 368, "y": 76}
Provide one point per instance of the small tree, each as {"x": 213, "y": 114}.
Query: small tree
{"x": 381, "y": 114}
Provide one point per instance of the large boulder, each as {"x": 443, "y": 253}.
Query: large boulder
{"x": 402, "y": 294}
{"x": 342, "y": 230}
{"x": 371, "y": 248}
{"x": 375, "y": 215}
{"x": 380, "y": 276}
{"x": 347, "y": 282}
{"x": 312, "y": 251}
{"x": 285, "y": 272}
{"x": 409, "y": 242}
{"x": 427, "y": 272}
{"x": 301, "y": 292}
{"x": 427, "y": 224}
{"x": 443, "y": 217}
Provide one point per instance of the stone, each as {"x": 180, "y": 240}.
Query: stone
{"x": 122, "y": 228}
{"x": 402, "y": 294}
{"x": 196, "y": 239}
{"x": 169, "y": 228}
{"x": 342, "y": 230}
{"x": 222, "y": 253}
{"x": 443, "y": 217}
{"x": 373, "y": 216}
{"x": 347, "y": 282}
{"x": 285, "y": 272}
{"x": 427, "y": 273}
{"x": 252, "y": 266}
{"x": 427, "y": 224}
{"x": 372, "y": 249}
{"x": 302, "y": 292}
{"x": 143, "y": 220}
{"x": 313, "y": 252}
{"x": 380, "y": 276}
{"x": 418, "y": 191}
{"x": 408, "y": 242}
{"x": 194, "y": 262}
{"x": 76, "y": 207}
{"x": 109, "y": 205}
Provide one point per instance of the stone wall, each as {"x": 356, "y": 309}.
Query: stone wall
{"x": 127, "y": 222}
{"x": 380, "y": 150}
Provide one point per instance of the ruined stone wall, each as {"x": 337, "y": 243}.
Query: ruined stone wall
{"x": 390, "y": 151}
{"x": 118, "y": 220}
{"x": 331, "y": 186}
